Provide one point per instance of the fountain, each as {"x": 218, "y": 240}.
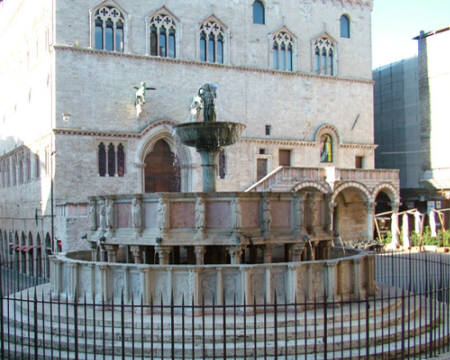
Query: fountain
{"x": 209, "y": 136}
{"x": 212, "y": 247}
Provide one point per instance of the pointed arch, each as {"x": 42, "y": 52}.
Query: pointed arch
{"x": 162, "y": 33}
{"x": 283, "y": 45}
{"x": 163, "y": 130}
{"x": 324, "y": 54}
{"x": 109, "y": 26}
{"x": 213, "y": 38}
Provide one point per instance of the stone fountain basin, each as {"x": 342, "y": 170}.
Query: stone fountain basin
{"x": 209, "y": 136}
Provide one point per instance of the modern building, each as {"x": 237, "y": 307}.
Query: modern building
{"x": 411, "y": 122}
{"x": 75, "y": 121}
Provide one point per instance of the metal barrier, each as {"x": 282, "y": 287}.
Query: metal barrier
{"x": 408, "y": 318}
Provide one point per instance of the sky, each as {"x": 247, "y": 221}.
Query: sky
{"x": 396, "y": 22}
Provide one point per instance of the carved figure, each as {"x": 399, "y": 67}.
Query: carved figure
{"x": 92, "y": 215}
{"x": 109, "y": 213}
{"x": 139, "y": 100}
{"x": 102, "y": 215}
{"x": 136, "y": 213}
{"x": 208, "y": 93}
{"x": 195, "y": 108}
{"x": 200, "y": 214}
{"x": 266, "y": 216}
{"x": 162, "y": 213}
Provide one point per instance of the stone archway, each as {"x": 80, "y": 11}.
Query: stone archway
{"x": 352, "y": 214}
{"x": 161, "y": 169}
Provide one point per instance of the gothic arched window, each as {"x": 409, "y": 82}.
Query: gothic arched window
{"x": 345, "y": 26}
{"x": 212, "y": 41}
{"x": 283, "y": 48}
{"x": 101, "y": 159}
{"x": 326, "y": 149}
{"x": 120, "y": 160}
{"x": 162, "y": 29}
{"x": 258, "y": 13}
{"x": 109, "y": 30}
{"x": 324, "y": 57}
{"x": 111, "y": 160}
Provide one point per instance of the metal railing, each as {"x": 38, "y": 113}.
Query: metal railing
{"x": 409, "y": 317}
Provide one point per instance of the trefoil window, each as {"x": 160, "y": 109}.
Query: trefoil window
{"x": 162, "y": 35}
{"x": 283, "y": 47}
{"x": 212, "y": 41}
{"x": 324, "y": 56}
{"x": 109, "y": 25}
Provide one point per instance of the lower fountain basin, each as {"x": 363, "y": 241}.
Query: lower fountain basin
{"x": 209, "y": 136}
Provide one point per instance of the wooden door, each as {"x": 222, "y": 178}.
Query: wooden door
{"x": 162, "y": 171}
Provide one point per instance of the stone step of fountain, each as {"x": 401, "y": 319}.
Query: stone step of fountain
{"x": 341, "y": 317}
{"x": 308, "y": 341}
{"x": 356, "y": 348}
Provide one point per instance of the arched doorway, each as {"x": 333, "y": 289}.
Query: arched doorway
{"x": 353, "y": 215}
{"x": 162, "y": 169}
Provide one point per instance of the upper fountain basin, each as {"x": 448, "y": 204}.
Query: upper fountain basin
{"x": 209, "y": 136}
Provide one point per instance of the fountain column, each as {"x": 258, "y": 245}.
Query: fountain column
{"x": 370, "y": 208}
{"x": 209, "y": 159}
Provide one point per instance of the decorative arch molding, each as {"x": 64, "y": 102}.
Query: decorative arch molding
{"x": 168, "y": 19}
{"x": 390, "y": 190}
{"x": 324, "y": 54}
{"x": 213, "y": 25}
{"x": 327, "y": 129}
{"x": 355, "y": 185}
{"x": 319, "y": 185}
{"x": 280, "y": 39}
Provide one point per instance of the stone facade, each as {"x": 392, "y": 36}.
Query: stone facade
{"x": 62, "y": 98}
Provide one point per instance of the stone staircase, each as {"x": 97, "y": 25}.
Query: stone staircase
{"x": 51, "y": 329}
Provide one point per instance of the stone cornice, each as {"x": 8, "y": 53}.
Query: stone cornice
{"x": 144, "y": 131}
{"x": 207, "y": 64}
{"x": 293, "y": 142}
